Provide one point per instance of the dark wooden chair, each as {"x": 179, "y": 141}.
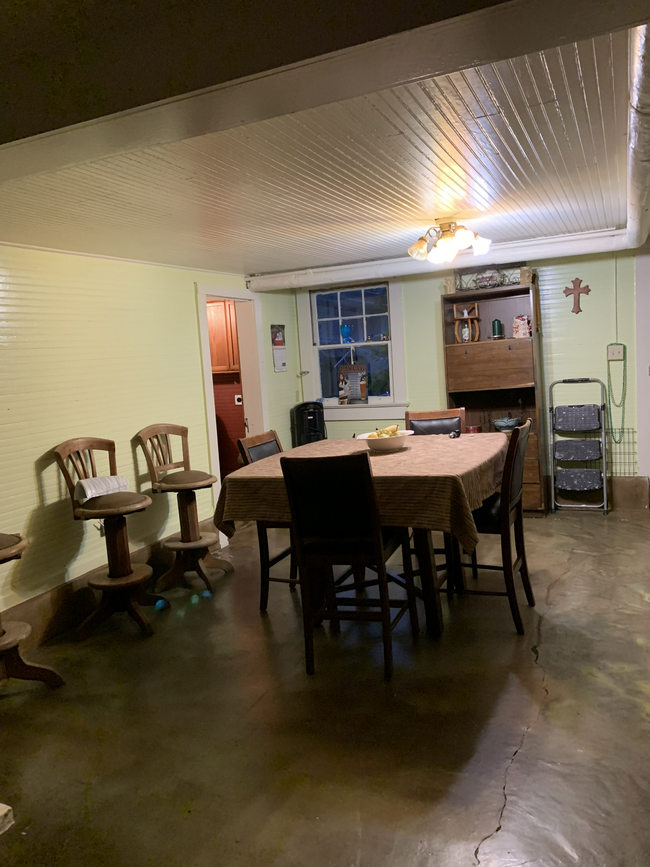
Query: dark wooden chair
{"x": 191, "y": 545}
{"x": 252, "y": 449}
{"x": 13, "y": 632}
{"x": 123, "y": 586}
{"x": 327, "y": 533}
{"x": 497, "y": 515}
{"x": 439, "y": 421}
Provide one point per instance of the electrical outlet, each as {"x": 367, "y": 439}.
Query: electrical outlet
{"x": 615, "y": 352}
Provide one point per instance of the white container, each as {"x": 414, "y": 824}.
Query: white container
{"x": 386, "y": 444}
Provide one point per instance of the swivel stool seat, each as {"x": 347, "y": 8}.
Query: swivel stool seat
{"x": 12, "y": 632}
{"x": 123, "y": 585}
{"x": 191, "y": 545}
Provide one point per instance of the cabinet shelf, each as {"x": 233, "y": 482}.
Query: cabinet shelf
{"x": 492, "y": 378}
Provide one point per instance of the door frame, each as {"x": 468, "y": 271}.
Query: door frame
{"x": 205, "y": 293}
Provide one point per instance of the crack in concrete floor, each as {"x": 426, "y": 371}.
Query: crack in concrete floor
{"x": 535, "y": 651}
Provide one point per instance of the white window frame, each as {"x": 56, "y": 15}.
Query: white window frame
{"x": 377, "y": 407}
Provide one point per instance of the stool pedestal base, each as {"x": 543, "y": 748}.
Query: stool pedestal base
{"x": 124, "y": 594}
{"x": 11, "y": 662}
{"x": 188, "y": 559}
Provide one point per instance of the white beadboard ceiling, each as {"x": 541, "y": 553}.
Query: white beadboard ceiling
{"x": 531, "y": 147}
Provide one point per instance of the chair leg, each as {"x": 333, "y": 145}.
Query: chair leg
{"x": 359, "y": 573}
{"x": 15, "y": 666}
{"x": 449, "y": 560}
{"x": 135, "y": 613}
{"x": 521, "y": 552}
{"x": 474, "y": 565}
{"x": 198, "y": 568}
{"x": 506, "y": 553}
{"x": 330, "y": 598}
{"x": 307, "y": 620}
{"x": 293, "y": 566}
{"x": 386, "y": 632}
{"x": 407, "y": 565}
{"x": 104, "y": 610}
{"x": 265, "y": 569}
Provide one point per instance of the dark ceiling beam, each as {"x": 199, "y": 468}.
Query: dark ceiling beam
{"x": 491, "y": 34}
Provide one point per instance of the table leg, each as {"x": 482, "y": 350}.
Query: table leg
{"x": 430, "y": 596}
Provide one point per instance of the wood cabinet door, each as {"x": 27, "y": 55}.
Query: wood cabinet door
{"x": 219, "y": 331}
{"x": 233, "y": 341}
{"x": 490, "y": 365}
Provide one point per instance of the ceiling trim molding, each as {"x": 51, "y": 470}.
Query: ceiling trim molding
{"x": 466, "y": 41}
{"x": 557, "y": 247}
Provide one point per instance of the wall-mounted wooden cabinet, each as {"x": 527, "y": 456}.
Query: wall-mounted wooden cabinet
{"x": 222, "y": 325}
{"x": 492, "y": 378}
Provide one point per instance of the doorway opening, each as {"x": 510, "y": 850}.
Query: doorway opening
{"x": 226, "y": 382}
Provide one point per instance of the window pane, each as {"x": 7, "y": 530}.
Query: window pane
{"x": 376, "y": 357}
{"x": 330, "y": 360}
{"x": 377, "y": 328}
{"x": 376, "y": 300}
{"x": 352, "y": 331}
{"x": 328, "y": 332}
{"x": 327, "y": 305}
{"x": 351, "y": 303}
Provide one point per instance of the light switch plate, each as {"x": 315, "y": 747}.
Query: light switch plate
{"x": 239, "y": 401}
{"x": 615, "y": 352}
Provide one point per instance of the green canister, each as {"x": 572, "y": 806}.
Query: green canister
{"x": 497, "y": 329}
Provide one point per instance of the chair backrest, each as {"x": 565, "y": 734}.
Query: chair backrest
{"x": 440, "y": 421}
{"x": 513, "y": 471}
{"x": 258, "y": 447}
{"x": 76, "y": 460}
{"x": 319, "y": 492}
{"x": 157, "y": 447}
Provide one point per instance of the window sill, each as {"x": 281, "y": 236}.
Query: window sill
{"x": 378, "y": 411}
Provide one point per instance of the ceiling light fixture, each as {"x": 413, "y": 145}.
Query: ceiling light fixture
{"x": 447, "y": 240}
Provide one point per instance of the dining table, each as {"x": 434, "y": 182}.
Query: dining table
{"x": 432, "y": 483}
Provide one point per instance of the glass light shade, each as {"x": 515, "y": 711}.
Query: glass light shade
{"x": 481, "y": 245}
{"x": 419, "y": 249}
{"x": 464, "y": 238}
{"x": 448, "y": 247}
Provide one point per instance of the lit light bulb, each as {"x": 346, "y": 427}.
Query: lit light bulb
{"x": 438, "y": 254}
{"x": 464, "y": 238}
{"x": 419, "y": 249}
{"x": 448, "y": 248}
{"x": 481, "y": 245}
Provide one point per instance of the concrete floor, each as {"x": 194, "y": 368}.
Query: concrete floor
{"x": 207, "y": 745}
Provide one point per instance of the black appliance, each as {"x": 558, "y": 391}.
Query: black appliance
{"x": 307, "y": 423}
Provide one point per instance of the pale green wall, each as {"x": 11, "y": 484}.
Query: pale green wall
{"x": 90, "y": 347}
{"x": 573, "y": 345}
{"x": 283, "y": 389}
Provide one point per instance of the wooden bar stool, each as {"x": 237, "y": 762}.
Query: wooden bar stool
{"x": 191, "y": 546}
{"x": 123, "y": 585}
{"x": 12, "y": 632}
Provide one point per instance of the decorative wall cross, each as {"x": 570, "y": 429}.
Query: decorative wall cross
{"x": 577, "y": 291}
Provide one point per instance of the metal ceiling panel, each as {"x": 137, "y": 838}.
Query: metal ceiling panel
{"x": 526, "y": 148}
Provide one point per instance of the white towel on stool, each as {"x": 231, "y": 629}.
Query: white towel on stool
{"x": 98, "y": 486}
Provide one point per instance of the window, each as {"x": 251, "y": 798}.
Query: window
{"x": 357, "y": 356}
